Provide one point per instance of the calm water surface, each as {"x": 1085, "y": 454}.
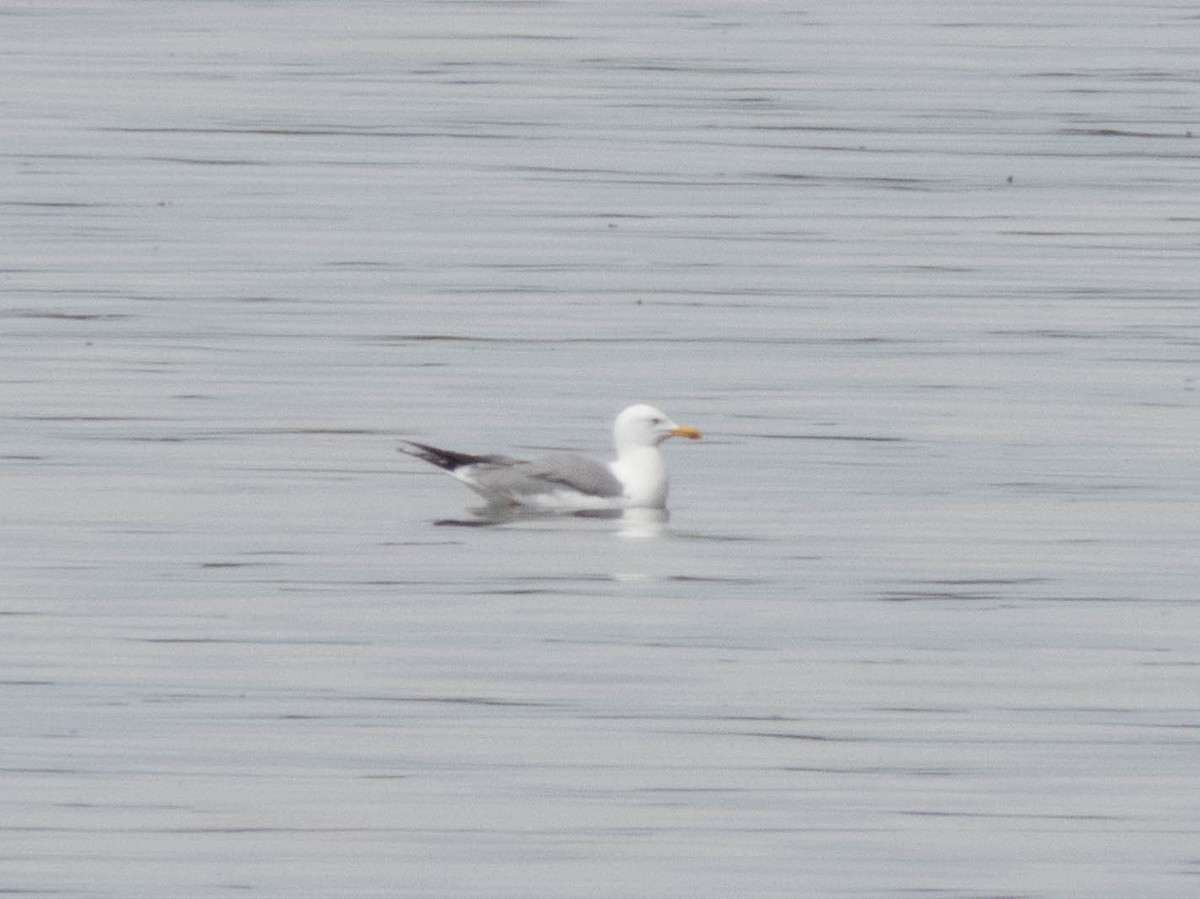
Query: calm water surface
{"x": 924, "y": 620}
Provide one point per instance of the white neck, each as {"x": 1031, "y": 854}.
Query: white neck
{"x": 644, "y": 473}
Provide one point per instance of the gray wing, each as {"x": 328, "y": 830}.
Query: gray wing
{"x": 561, "y": 470}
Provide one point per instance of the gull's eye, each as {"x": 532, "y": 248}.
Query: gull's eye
{"x": 656, "y": 421}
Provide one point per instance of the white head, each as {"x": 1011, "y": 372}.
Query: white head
{"x": 643, "y": 425}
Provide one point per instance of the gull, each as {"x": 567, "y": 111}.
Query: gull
{"x": 566, "y": 482}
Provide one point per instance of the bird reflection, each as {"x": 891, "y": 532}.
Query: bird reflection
{"x": 638, "y": 523}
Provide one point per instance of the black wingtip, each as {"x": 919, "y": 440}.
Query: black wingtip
{"x": 442, "y": 458}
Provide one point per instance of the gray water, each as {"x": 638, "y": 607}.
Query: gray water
{"x": 925, "y": 619}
